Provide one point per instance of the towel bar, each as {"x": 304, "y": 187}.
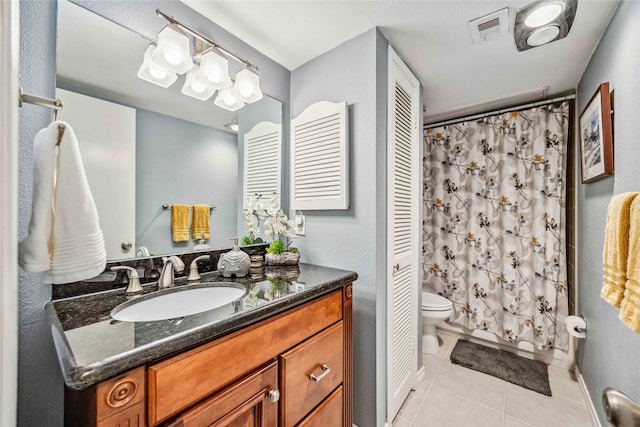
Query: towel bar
{"x": 167, "y": 206}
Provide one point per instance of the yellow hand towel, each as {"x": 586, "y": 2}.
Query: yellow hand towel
{"x": 180, "y": 222}
{"x": 616, "y": 248}
{"x": 630, "y": 307}
{"x": 201, "y": 225}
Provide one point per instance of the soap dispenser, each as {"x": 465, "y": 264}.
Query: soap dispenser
{"x": 235, "y": 262}
{"x": 202, "y": 244}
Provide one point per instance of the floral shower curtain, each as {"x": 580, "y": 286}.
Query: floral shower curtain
{"x": 494, "y": 223}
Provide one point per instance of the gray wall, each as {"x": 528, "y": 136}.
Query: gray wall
{"x": 203, "y": 170}
{"x": 348, "y": 238}
{"x": 609, "y": 354}
{"x": 40, "y": 386}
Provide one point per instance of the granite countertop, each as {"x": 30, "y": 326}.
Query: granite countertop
{"x": 93, "y": 347}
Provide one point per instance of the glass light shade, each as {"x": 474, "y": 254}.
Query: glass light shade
{"x": 543, "y": 35}
{"x": 226, "y": 99}
{"x": 247, "y": 86}
{"x": 214, "y": 70}
{"x": 172, "y": 52}
{"x": 153, "y": 73}
{"x": 196, "y": 88}
{"x": 544, "y": 14}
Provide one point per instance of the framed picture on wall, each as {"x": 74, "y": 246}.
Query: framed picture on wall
{"x": 596, "y": 136}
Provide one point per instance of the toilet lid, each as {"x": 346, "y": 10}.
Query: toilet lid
{"x": 431, "y": 301}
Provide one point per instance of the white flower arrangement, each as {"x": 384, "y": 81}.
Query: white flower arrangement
{"x": 276, "y": 225}
{"x": 252, "y": 216}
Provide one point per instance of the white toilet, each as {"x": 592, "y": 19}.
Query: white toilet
{"x": 435, "y": 309}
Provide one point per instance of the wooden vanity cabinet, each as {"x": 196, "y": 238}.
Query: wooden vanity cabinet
{"x": 294, "y": 368}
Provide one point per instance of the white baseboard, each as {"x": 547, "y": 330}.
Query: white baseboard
{"x": 422, "y": 374}
{"x": 587, "y": 400}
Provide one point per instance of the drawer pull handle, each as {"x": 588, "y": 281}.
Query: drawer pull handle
{"x": 325, "y": 372}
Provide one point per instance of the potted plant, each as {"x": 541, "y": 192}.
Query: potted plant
{"x": 278, "y": 226}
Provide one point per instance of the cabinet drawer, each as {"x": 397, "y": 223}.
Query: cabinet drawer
{"x": 183, "y": 380}
{"x": 245, "y": 403}
{"x": 310, "y": 371}
{"x": 327, "y": 414}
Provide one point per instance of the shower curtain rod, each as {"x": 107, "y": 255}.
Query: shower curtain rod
{"x": 504, "y": 110}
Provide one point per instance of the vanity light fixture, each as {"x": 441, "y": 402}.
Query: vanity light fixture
{"x": 153, "y": 73}
{"x": 173, "y": 52}
{"x": 228, "y": 100}
{"x": 172, "y": 56}
{"x": 195, "y": 88}
{"x": 247, "y": 86}
{"x": 214, "y": 70}
{"x": 543, "y": 22}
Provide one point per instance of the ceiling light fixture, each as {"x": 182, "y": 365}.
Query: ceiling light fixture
{"x": 153, "y": 73}
{"x": 172, "y": 56}
{"x": 543, "y": 14}
{"x": 543, "y": 22}
{"x": 543, "y": 35}
{"x": 233, "y": 126}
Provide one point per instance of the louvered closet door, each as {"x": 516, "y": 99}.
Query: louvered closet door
{"x": 402, "y": 230}
{"x": 262, "y": 148}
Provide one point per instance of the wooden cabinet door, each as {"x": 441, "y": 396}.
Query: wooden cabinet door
{"x": 328, "y": 414}
{"x": 249, "y": 402}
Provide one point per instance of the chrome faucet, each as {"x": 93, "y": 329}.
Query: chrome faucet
{"x": 193, "y": 268}
{"x": 134, "y": 280}
{"x": 171, "y": 263}
{"x": 620, "y": 409}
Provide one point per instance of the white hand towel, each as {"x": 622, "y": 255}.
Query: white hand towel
{"x": 34, "y": 251}
{"x": 75, "y": 243}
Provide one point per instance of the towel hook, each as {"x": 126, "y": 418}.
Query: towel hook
{"x": 60, "y": 134}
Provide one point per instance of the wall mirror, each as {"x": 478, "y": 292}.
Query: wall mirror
{"x": 144, "y": 146}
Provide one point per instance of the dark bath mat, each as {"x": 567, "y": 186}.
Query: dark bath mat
{"x": 527, "y": 373}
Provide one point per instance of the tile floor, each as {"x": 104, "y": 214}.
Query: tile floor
{"x": 453, "y": 396}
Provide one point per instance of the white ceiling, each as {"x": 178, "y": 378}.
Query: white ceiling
{"x": 432, "y": 37}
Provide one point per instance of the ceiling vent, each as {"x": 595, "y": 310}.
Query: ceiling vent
{"x": 490, "y": 27}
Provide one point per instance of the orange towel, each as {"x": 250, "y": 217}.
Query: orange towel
{"x": 616, "y": 248}
{"x": 630, "y": 306}
{"x": 201, "y": 224}
{"x": 180, "y": 222}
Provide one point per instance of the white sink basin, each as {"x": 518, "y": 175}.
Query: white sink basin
{"x": 178, "y": 302}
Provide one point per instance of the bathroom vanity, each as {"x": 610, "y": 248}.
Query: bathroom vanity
{"x": 279, "y": 356}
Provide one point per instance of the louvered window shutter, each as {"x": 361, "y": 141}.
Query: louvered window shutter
{"x": 319, "y": 157}
{"x": 262, "y": 161}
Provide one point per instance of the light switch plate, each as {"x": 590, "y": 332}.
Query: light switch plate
{"x": 301, "y": 224}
